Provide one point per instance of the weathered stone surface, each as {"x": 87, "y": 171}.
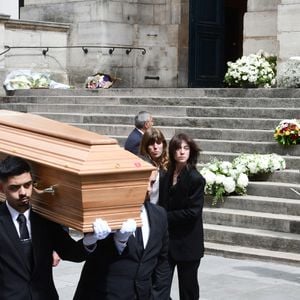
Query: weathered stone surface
{"x": 148, "y": 23}
{"x": 254, "y": 44}
{"x": 289, "y": 73}
{"x": 260, "y": 24}
{"x": 290, "y": 1}
{"x": 265, "y": 5}
{"x": 288, "y": 18}
{"x": 289, "y": 45}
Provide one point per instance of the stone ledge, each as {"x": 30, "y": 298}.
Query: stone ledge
{"x": 33, "y": 25}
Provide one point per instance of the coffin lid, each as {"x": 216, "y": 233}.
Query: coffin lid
{"x": 64, "y": 146}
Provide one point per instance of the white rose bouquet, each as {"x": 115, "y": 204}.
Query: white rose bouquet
{"x": 222, "y": 178}
{"x": 252, "y": 164}
{"x": 254, "y": 70}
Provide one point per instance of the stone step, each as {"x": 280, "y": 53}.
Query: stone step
{"x": 239, "y": 252}
{"x": 275, "y": 189}
{"x": 207, "y": 122}
{"x": 96, "y": 108}
{"x": 254, "y": 238}
{"x": 287, "y": 176}
{"x": 179, "y": 92}
{"x": 162, "y": 110}
{"x": 252, "y": 219}
{"x": 268, "y": 204}
{"x": 243, "y": 112}
{"x": 158, "y": 100}
{"x": 292, "y": 162}
{"x": 262, "y": 140}
{"x": 195, "y": 133}
{"x": 247, "y": 146}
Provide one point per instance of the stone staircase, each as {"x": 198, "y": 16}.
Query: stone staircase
{"x": 265, "y": 224}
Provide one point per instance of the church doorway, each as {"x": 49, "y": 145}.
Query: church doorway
{"x": 215, "y": 37}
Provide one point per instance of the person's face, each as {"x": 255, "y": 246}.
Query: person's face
{"x": 149, "y": 123}
{"x": 155, "y": 150}
{"x": 18, "y": 190}
{"x": 182, "y": 154}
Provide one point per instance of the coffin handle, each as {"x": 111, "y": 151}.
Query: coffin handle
{"x": 49, "y": 190}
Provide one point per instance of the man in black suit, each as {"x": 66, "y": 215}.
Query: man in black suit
{"x": 132, "y": 267}
{"x": 143, "y": 120}
{"x": 27, "y": 240}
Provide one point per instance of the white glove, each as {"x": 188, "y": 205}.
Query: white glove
{"x": 127, "y": 229}
{"x": 101, "y": 231}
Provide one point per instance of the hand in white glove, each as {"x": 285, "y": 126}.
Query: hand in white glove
{"x": 101, "y": 231}
{"x": 127, "y": 229}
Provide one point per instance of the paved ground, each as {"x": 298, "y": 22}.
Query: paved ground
{"x": 220, "y": 279}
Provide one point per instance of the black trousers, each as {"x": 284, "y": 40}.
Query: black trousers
{"x": 187, "y": 278}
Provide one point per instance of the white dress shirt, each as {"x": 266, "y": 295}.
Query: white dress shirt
{"x": 14, "y": 215}
{"x": 145, "y": 231}
{"x": 154, "y": 195}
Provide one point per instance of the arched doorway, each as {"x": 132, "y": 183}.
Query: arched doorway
{"x": 215, "y": 37}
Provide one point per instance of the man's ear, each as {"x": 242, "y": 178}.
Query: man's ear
{"x": 1, "y": 187}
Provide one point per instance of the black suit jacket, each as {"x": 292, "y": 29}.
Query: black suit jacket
{"x": 133, "y": 141}
{"x": 17, "y": 282}
{"x": 107, "y": 275}
{"x": 184, "y": 204}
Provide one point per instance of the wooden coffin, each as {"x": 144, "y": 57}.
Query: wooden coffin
{"x": 93, "y": 177}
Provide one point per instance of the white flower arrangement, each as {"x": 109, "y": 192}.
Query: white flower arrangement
{"x": 252, "y": 164}
{"x": 27, "y": 79}
{"x": 222, "y": 178}
{"x": 254, "y": 70}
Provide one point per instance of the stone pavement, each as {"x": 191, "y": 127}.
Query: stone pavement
{"x": 220, "y": 279}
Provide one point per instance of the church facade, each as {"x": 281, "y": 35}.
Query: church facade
{"x": 187, "y": 42}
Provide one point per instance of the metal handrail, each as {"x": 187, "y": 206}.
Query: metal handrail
{"x": 84, "y": 48}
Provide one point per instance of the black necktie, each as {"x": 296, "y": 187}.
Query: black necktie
{"x": 25, "y": 240}
{"x": 139, "y": 239}
{"x": 24, "y": 234}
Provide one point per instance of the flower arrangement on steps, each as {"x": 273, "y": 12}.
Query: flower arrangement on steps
{"x": 287, "y": 132}
{"x": 252, "y": 71}
{"x": 224, "y": 178}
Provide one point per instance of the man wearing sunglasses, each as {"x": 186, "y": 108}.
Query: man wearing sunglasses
{"x": 27, "y": 240}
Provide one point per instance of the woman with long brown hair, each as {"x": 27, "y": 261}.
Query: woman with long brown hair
{"x": 182, "y": 196}
{"x": 153, "y": 148}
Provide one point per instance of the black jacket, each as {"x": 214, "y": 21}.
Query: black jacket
{"x": 183, "y": 203}
{"x": 133, "y": 141}
{"x": 17, "y": 282}
{"x": 107, "y": 275}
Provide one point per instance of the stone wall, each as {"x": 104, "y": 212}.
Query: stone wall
{"x": 152, "y": 24}
{"x": 16, "y": 33}
{"x": 289, "y": 40}
{"x": 260, "y": 27}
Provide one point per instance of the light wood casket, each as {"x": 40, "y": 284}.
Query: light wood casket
{"x": 93, "y": 177}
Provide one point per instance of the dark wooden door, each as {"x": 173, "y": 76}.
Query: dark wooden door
{"x": 206, "y": 43}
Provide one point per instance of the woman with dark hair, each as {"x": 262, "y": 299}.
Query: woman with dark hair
{"x": 182, "y": 196}
{"x": 153, "y": 149}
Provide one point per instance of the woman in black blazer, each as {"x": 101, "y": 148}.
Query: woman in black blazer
{"x": 182, "y": 196}
{"x": 153, "y": 148}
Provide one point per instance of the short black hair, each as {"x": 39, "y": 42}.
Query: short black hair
{"x": 13, "y": 166}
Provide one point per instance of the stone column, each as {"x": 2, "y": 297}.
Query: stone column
{"x": 3, "y": 20}
{"x": 260, "y": 27}
{"x": 289, "y": 43}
